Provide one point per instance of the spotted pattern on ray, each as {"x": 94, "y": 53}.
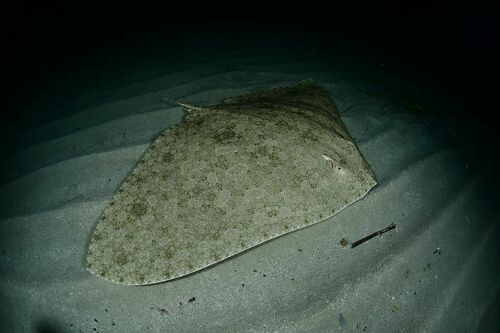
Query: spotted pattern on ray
{"x": 232, "y": 176}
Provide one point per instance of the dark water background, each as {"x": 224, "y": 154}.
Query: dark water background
{"x": 454, "y": 43}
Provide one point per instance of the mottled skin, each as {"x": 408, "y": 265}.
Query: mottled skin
{"x": 232, "y": 176}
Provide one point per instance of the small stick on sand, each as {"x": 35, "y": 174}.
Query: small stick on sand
{"x": 377, "y": 233}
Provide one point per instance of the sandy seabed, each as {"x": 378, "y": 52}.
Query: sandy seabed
{"x": 436, "y": 272}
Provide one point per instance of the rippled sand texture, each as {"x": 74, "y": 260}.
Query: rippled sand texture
{"x": 437, "y": 271}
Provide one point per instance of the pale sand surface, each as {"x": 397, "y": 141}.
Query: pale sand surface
{"x": 436, "y": 272}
